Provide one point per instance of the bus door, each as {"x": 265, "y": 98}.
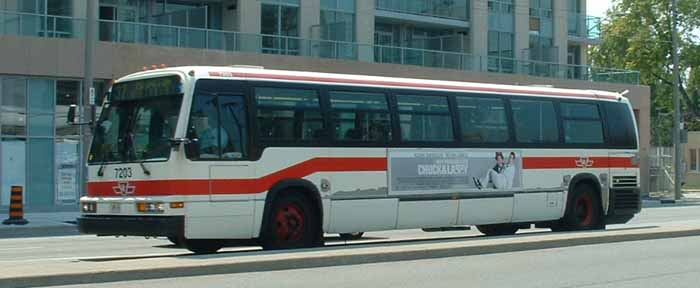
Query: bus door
{"x": 228, "y": 144}
{"x": 222, "y": 141}
{"x": 219, "y": 128}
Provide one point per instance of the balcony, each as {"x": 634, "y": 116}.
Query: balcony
{"x": 183, "y": 37}
{"x": 35, "y": 25}
{"x": 584, "y": 27}
{"x": 451, "y": 9}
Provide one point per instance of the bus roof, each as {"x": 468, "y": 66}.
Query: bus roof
{"x": 252, "y": 73}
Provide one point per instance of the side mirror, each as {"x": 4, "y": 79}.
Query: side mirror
{"x": 71, "y": 114}
{"x": 192, "y": 149}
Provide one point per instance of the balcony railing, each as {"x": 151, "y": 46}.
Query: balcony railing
{"x": 584, "y": 26}
{"x": 456, "y": 9}
{"x": 174, "y": 36}
{"x": 38, "y": 25}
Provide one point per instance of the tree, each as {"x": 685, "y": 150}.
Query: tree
{"x": 637, "y": 35}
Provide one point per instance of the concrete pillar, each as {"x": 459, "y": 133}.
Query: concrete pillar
{"x": 249, "y": 15}
{"x": 479, "y": 27}
{"x": 80, "y": 9}
{"x": 522, "y": 29}
{"x": 310, "y": 27}
{"x": 584, "y": 47}
{"x": 561, "y": 34}
{"x": 364, "y": 30}
{"x": 230, "y": 17}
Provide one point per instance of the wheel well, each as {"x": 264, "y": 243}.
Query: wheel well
{"x": 586, "y": 179}
{"x": 302, "y": 186}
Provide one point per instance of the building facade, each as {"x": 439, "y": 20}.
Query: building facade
{"x": 524, "y": 42}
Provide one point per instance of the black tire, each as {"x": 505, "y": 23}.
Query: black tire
{"x": 203, "y": 246}
{"x": 291, "y": 223}
{"x": 583, "y": 210}
{"x": 177, "y": 240}
{"x": 351, "y": 236}
{"x": 497, "y": 229}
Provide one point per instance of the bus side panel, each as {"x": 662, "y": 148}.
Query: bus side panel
{"x": 485, "y": 211}
{"x": 412, "y": 214}
{"x": 220, "y": 220}
{"x": 363, "y": 215}
{"x": 352, "y": 187}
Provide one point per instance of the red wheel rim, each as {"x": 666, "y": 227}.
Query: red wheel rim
{"x": 584, "y": 210}
{"x": 290, "y": 223}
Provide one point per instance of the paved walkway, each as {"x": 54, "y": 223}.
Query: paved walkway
{"x": 42, "y": 224}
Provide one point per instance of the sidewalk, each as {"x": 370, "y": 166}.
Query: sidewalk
{"x": 690, "y": 197}
{"x": 41, "y": 225}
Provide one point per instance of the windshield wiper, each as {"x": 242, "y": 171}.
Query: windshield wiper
{"x": 131, "y": 150}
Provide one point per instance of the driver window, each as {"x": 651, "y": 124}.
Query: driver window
{"x": 217, "y": 127}
{"x": 204, "y": 128}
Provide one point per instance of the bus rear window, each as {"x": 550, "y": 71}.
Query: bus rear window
{"x": 621, "y": 128}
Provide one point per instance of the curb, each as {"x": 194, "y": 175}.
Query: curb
{"x": 363, "y": 254}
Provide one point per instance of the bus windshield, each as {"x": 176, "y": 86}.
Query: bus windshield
{"x": 137, "y": 121}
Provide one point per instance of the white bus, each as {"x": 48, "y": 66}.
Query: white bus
{"x": 205, "y": 155}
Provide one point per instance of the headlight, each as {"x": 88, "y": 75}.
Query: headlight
{"x": 150, "y": 207}
{"x": 88, "y": 207}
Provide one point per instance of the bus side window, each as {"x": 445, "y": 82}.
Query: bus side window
{"x": 288, "y": 115}
{"x": 360, "y": 116}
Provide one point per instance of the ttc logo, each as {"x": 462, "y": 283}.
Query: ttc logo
{"x": 584, "y": 162}
{"x": 123, "y": 188}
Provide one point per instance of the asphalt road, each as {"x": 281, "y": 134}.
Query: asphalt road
{"x": 76, "y": 248}
{"x": 656, "y": 263}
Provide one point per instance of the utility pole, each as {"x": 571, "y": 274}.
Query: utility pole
{"x": 88, "y": 90}
{"x": 676, "y": 105}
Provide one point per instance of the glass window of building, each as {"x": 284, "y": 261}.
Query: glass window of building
{"x": 13, "y": 118}
{"x": 280, "y": 18}
{"x": 541, "y": 31}
{"x": 338, "y": 25}
{"x": 338, "y": 20}
{"x": 501, "y": 36}
{"x": 67, "y": 93}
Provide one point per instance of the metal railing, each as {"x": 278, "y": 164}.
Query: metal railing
{"x": 458, "y": 9}
{"x": 39, "y": 25}
{"x": 584, "y": 26}
{"x": 184, "y": 37}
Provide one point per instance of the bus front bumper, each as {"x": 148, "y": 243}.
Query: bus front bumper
{"x": 624, "y": 204}
{"x": 154, "y": 226}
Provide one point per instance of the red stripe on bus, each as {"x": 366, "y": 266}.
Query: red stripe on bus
{"x": 236, "y": 186}
{"x": 303, "y": 169}
{"x": 403, "y": 84}
{"x": 577, "y": 162}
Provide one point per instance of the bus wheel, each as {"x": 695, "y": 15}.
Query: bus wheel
{"x": 176, "y": 240}
{"x": 497, "y": 229}
{"x": 583, "y": 211}
{"x": 351, "y": 236}
{"x": 291, "y": 223}
{"x": 203, "y": 246}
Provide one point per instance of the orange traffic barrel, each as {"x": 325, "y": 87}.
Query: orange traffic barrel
{"x": 16, "y": 207}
